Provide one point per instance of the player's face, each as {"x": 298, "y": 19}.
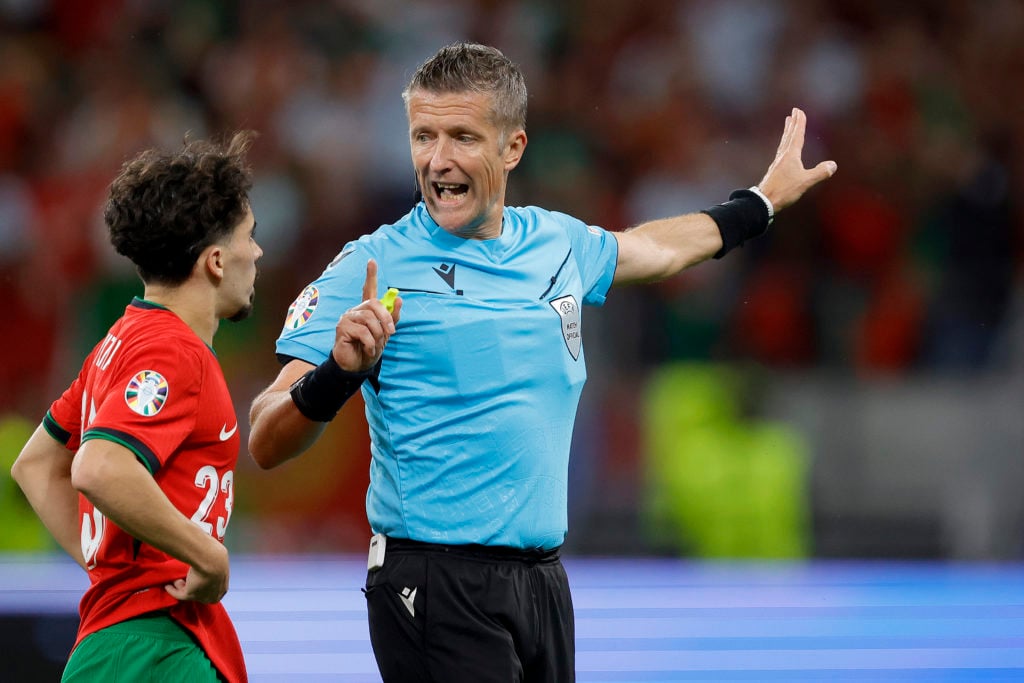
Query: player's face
{"x": 241, "y": 255}
{"x": 461, "y": 160}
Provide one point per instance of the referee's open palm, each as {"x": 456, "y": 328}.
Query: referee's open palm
{"x": 787, "y": 179}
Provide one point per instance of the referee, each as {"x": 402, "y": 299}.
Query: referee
{"x": 472, "y": 379}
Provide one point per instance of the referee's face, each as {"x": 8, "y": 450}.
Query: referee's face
{"x": 462, "y": 160}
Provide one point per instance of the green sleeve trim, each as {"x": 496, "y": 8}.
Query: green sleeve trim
{"x": 54, "y": 429}
{"x": 141, "y": 451}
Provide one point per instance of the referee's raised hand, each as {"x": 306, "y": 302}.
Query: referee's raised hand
{"x": 364, "y": 330}
{"x": 787, "y": 179}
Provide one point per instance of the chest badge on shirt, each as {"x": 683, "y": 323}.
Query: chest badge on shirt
{"x": 302, "y": 308}
{"x": 569, "y": 311}
{"x": 146, "y": 393}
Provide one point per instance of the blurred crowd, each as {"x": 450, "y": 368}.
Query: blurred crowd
{"x": 906, "y": 261}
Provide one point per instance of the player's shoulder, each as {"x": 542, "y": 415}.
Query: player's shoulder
{"x": 150, "y": 329}
{"x": 153, "y": 354}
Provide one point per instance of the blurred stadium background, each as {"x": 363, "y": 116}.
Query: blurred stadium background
{"x": 849, "y": 386}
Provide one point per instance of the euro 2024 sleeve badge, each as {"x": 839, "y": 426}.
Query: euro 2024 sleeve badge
{"x": 146, "y": 393}
{"x": 302, "y": 308}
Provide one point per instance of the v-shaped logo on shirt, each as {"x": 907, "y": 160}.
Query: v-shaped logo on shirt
{"x": 447, "y": 273}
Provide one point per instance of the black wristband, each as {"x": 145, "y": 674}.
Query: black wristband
{"x": 321, "y": 392}
{"x": 744, "y": 216}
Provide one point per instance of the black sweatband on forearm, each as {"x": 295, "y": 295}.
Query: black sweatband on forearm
{"x": 321, "y": 392}
{"x": 747, "y": 214}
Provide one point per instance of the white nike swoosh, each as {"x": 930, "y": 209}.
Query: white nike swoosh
{"x": 225, "y": 434}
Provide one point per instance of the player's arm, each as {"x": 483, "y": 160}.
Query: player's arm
{"x": 43, "y": 471}
{"x": 120, "y": 487}
{"x": 289, "y": 415}
{"x": 659, "y": 249}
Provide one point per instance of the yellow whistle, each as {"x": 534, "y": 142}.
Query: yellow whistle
{"x": 389, "y": 299}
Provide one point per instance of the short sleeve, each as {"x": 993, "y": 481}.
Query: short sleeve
{"x": 151, "y": 403}
{"x": 596, "y": 252}
{"x": 309, "y": 326}
{"x": 63, "y": 421}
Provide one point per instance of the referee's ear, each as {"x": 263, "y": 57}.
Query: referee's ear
{"x": 515, "y": 145}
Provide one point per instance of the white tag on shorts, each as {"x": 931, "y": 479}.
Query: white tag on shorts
{"x": 375, "y": 560}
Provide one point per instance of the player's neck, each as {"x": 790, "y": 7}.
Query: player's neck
{"x": 195, "y": 311}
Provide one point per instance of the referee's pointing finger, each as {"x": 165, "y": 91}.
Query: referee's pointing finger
{"x": 370, "y": 284}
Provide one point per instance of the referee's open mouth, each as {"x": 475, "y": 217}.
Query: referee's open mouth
{"x": 450, "y": 192}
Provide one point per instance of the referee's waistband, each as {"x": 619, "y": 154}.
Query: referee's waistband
{"x": 494, "y": 552}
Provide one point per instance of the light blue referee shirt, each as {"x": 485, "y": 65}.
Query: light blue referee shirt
{"x": 478, "y": 388}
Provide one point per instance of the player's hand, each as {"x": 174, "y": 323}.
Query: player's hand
{"x": 786, "y": 179}
{"x": 364, "y": 330}
{"x": 204, "y": 585}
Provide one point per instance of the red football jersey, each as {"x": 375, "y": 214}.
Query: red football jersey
{"x": 156, "y": 388}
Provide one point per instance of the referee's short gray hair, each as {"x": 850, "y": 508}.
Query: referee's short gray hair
{"x": 470, "y": 67}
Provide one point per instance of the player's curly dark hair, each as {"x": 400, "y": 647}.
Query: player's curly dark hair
{"x": 164, "y": 208}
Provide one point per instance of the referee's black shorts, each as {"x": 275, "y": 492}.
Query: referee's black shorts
{"x": 451, "y": 613}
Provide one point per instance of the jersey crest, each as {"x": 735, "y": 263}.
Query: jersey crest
{"x": 302, "y": 308}
{"x": 569, "y": 312}
{"x": 146, "y": 393}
